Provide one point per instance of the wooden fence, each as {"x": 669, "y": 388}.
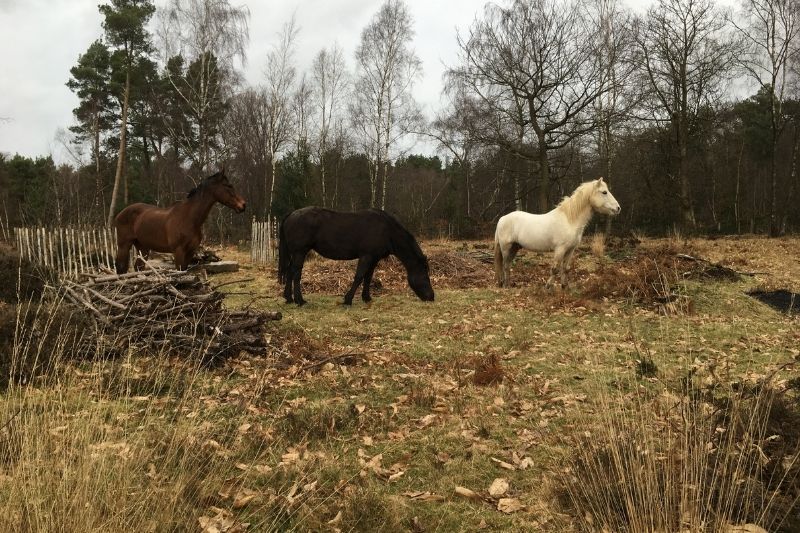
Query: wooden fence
{"x": 68, "y": 250}
{"x": 73, "y": 250}
{"x": 264, "y": 241}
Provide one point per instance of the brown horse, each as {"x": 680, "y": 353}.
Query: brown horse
{"x": 176, "y": 229}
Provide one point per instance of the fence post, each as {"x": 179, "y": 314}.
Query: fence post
{"x": 253, "y": 241}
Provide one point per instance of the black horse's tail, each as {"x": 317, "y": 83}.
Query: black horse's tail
{"x": 284, "y": 258}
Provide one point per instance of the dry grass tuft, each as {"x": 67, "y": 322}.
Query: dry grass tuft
{"x": 19, "y": 278}
{"x": 35, "y": 335}
{"x": 650, "y": 277}
{"x": 701, "y": 459}
{"x": 488, "y": 370}
{"x": 318, "y": 420}
{"x": 597, "y": 244}
{"x": 89, "y": 444}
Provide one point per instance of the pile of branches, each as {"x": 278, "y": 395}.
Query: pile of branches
{"x": 168, "y": 310}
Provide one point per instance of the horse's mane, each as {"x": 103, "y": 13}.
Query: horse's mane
{"x": 574, "y": 204}
{"x": 407, "y": 245}
{"x": 202, "y": 185}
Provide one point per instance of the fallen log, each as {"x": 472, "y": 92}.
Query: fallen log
{"x": 218, "y": 267}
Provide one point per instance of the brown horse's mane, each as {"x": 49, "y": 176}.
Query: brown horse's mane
{"x": 203, "y": 184}
{"x": 574, "y": 204}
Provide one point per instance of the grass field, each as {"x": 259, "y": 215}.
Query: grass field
{"x": 474, "y": 412}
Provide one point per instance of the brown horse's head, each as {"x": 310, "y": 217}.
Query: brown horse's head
{"x": 222, "y": 190}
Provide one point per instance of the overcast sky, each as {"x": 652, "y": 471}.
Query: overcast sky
{"x": 41, "y": 40}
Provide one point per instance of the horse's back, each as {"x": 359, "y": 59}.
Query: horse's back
{"x": 537, "y": 232}
{"x": 146, "y": 224}
{"x": 130, "y": 213}
{"x": 337, "y": 234}
{"x": 316, "y": 219}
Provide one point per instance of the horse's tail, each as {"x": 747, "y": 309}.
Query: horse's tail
{"x": 283, "y": 254}
{"x": 498, "y": 262}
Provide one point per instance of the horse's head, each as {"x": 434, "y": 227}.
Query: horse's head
{"x": 224, "y": 193}
{"x": 602, "y": 200}
{"x": 419, "y": 280}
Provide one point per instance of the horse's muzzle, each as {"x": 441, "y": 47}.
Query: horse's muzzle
{"x": 240, "y": 208}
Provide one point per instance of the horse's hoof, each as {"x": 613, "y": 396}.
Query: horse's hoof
{"x": 348, "y": 304}
{"x": 300, "y": 303}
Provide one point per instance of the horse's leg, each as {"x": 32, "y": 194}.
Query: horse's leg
{"x": 512, "y": 254}
{"x": 296, "y": 272}
{"x": 368, "y": 281}
{"x": 290, "y": 273}
{"x": 565, "y": 265}
{"x": 509, "y": 252}
{"x": 364, "y": 263}
{"x": 558, "y": 259}
{"x": 287, "y": 287}
{"x": 181, "y": 258}
{"x": 123, "y": 255}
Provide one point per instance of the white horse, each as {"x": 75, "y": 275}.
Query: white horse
{"x": 560, "y": 229}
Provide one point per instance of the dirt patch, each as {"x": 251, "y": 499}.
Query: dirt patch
{"x": 645, "y": 274}
{"x": 773, "y": 261}
{"x": 448, "y": 270}
{"x": 781, "y": 300}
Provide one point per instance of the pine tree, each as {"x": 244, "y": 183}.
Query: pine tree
{"x": 91, "y": 82}
{"x": 124, "y": 24}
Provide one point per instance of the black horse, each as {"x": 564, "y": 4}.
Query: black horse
{"x": 368, "y": 236}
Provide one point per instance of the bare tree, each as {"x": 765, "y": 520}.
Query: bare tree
{"x": 453, "y": 130}
{"x": 770, "y": 30}
{"x": 383, "y": 110}
{"x": 301, "y": 106}
{"x": 532, "y": 66}
{"x": 615, "y": 57}
{"x": 244, "y": 127}
{"x": 212, "y": 35}
{"x": 330, "y": 83}
{"x": 277, "y": 94}
{"x": 686, "y": 53}
{"x": 615, "y": 26}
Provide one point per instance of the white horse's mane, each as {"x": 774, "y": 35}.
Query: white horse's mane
{"x": 575, "y": 204}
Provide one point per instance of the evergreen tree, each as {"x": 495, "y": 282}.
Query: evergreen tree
{"x": 91, "y": 81}
{"x": 290, "y": 191}
{"x": 30, "y": 188}
{"x": 124, "y": 24}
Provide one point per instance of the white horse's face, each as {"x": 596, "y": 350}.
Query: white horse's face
{"x": 602, "y": 200}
